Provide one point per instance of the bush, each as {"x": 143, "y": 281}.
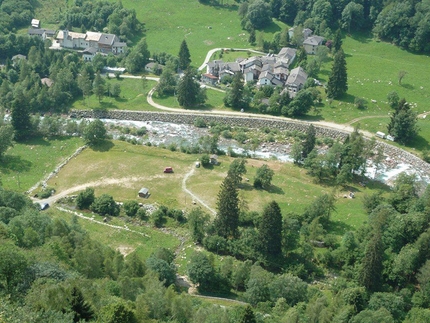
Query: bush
{"x": 131, "y": 208}
{"x": 216, "y": 244}
{"x": 47, "y": 192}
{"x": 142, "y": 214}
{"x": 85, "y": 198}
{"x": 105, "y": 205}
{"x": 200, "y": 123}
{"x": 142, "y": 131}
{"x": 205, "y": 160}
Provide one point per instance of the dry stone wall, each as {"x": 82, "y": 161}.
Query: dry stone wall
{"x": 394, "y": 153}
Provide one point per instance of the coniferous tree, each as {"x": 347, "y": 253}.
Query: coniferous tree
{"x": 227, "y": 219}
{"x": 235, "y": 95}
{"x": 84, "y": 83}
{"x": 338, "y": 80}
{"x": 248, "y": 316}
{"x": 99, "y": 86}
{"x": 184, "y": 56}
{"x": 337, "y": 41}
{"x": 82, "y": 310}
{"x": 20, "y": 116}
{"x": 371, "y": 272}
{"x": 309, "y": 143}
{"x": 188, "y": 90}
{"x": 270, "y": 231}
{"x": 403, "y": 123}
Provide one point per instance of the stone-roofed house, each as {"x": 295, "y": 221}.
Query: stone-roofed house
{"x": 311, "y": 44}
{"x": 103, "y": 43}
{"x": 255, "y": 60}
{"x": 42, "y": 33}
{"x": 251, "y": 73}
{"x": 268, "y": 78}
{"x": 296, "y": 80}
{"x": 89, "y": 53}
{"x": 287, "y": 55}
{"x": 306, "y": 32}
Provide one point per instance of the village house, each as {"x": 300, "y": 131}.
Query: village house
{"x": 311, "y": 44}
{"x": 306, "y": 32}
{"x": 287, "y": 55}
{"x": 296, "y": 80}
{"x": 42, "y": 33}
{"x": 209, "y": 79}
{"x": 103, "y": 43}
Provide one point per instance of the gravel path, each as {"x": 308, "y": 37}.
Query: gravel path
{"x": 195, "y": 197}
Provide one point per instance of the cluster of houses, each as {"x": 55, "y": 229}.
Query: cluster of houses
{"x": 88, "y": 44}
{"x": 270, "y": 70}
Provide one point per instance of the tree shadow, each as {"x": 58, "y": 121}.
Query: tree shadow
{"x": 37, "y": 141}
{"x": 246, "y": 186}
{"x": 361, "y": 37}
{"x": 407, "y": 86}
{"x": 108, "y": 105}
{"x": 275, "y": 190}
{"x": 348, "y": 98}
{"x": 339, "y": 227}
{"x": 103, "y": 146}
{"x": 308, "y": 117}
{"x": 420, "y": 143}
{"x": 272, "y": 28}
{"x": 12, "y": 163}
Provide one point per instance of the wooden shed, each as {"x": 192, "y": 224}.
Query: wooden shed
{"x": 144, "y": 192}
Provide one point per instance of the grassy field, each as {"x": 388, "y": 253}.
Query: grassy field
{"x": 27, "y": 163}
{"x": 123, "y": 169}
{"x": 132, "y": 97}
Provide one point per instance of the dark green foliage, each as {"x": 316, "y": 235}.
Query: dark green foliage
{"x": 300, "y": 105}
{"x": 370, "y": 202}
{"x": 270, "y": 231}
{"x": 99, "y": 86}
{"x": 403, "y": 123}
{"x": 197, "y": 222}
{"x": 85, "y": 198}
{"x": 235, "y": 96}
{"x": 338, "y": 81}
{"x": 227, "y": 219}
{"x": 94, "y": 133}
{"x": 189, "y": 93}
{"x": 309, "y": 143}
{"x": 184, "y": 56}
{"x": 82, "y": 310}
{"x": 167, "y": 83}
{"x": 6, "y": 137}
{"x": 166, "y": 271}
{"x": 370, "y": 275}
{"x": 248, "y": 316}
{"x": 117, "y": 313}
{"x": 263, "y": 177}
{"x": 257, "y": 287}
{"x": 138, "y": 57}
{"x": 288, "y": 287}
{"x": 105, "y": 205}
{"x": 20, "y": 117}
{"x": 320, "y": 209}
{"x": 337, "y": 41}
{"x": 131, "y": 207}
{"x": 200, "y": 271}
{"x": 259, "y": 14}
{"x": 205, "y": 160}
{"x": 12, "y": 266}
{"x": 237, "y": 169}
{"x": 393, "y": 99}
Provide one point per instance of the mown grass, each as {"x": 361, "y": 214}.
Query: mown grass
{"x": 121, "y": 239}
{"x": 123, "y": 169}
{"x": 26, "y": 163}
{"x": 132, "y": 97}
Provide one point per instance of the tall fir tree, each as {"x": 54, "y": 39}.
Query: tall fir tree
{"x": 184, "y": 56}
{"x": 248, "y": 316}
{"x": 309, "y": 142}
{"x": 188, "y": 90}
{"x": 337, "y": 41}
{"x": 370, "y": 275}
{"x": 82, "y": 310}
{"x": 234, "y": 97}
{"x": 270, "y": 231}
{"x": 338, "y": 80}
{"x": 403, "y": 123}
{"x": 227, "y": 220}
{"x": 20, "y": 116}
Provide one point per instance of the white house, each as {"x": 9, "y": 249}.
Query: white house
{"x": 311, "y": 44}
{"x": 287, "y": 55}
{"x": 104, "y": 43}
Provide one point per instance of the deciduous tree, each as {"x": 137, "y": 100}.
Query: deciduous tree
{"x": 94, "y": 132}
{"x": 403, "y": 124}
{"x": 263, "y": 177}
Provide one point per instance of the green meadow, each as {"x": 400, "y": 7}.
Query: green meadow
{"x": 26, "y": 163}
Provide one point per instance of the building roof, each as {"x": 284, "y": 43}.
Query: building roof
{"x": 107, "y": 39}
{"x": 47, "y": 81}
{"x": 281, "y": 70}
{"x": 35, "y": 23}
{"x": 71, "y": 34}
{"x": 89, "y": 51}
{"x": 144, "y": 190}
{"x": 297, "y": 76}
{"x": 119, "y": 44}
{"x": 210, "y": 76}
{"x": 313, "y": 40}
{"x": 251, "y": 60}
{"x": 93, "y": 36}
{"x": 231, "y": 66}
{"x": 19, "y": 56}
{"x": 287, "y": 52}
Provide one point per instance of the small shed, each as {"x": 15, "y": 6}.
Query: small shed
{"x": 213, "y": 159}
{"x": 35, "y": 23}
{"x": 144, "y": 192}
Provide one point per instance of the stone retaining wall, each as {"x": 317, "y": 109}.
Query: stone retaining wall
{"x": 395, "y": 153}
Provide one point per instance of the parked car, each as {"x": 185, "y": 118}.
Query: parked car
{"x": 197, "y": 164}
{"x": 168, "y": 170}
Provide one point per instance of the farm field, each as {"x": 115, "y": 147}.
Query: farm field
{"x": 27, "y": 163}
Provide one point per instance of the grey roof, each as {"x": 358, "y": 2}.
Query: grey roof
{"x": 19, "y": 56}
{"x": 119, "y": 44}
{"x": 231, "y": 66}
{"x": 281, "y": 70}
{"x": 89, "y": 50}
{"x": 287, "y": 52}
{"x": 313, "y": 40}
{"x": 297, "y": 76}
{"x": 107, "y": 39}
{"x": 144, "y": 190}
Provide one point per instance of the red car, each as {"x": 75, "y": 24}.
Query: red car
{"x": 168, "y": 170}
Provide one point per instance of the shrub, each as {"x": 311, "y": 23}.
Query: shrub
{"x": 200, "y": 123}
{"x": 142, "y": 131}
{"x": 105, "y": 205}
{"x": 205, "y": 160}
{"x": 85, "y": 198}
{"x": 131, "y": 208}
